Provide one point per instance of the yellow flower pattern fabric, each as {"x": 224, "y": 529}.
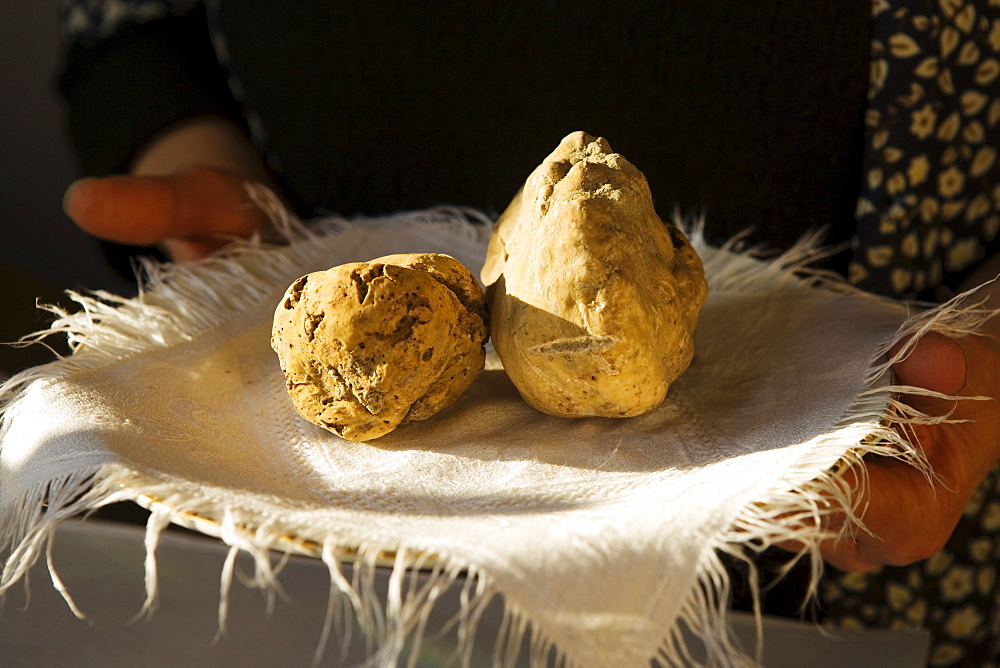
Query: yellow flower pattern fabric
{"x": 929, "y": 211}
{"x": 930, "y": 202}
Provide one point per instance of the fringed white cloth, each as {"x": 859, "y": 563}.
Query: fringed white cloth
{"x": 602, "y": 536}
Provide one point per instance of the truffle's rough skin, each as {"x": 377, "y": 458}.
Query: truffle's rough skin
{"x": 593, "y": 300}
{"x": 367, "y": 346}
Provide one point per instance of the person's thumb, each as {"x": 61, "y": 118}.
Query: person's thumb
{"x": 194, "y": 204}
{"x": 936, "y": 363}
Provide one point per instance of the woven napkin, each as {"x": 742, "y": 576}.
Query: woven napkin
{"x": 602, "y": 536}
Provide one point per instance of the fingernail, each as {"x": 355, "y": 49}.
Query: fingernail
{"x": 938, "y": 363}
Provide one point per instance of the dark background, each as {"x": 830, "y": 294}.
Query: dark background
{"x": 42, "y": 254}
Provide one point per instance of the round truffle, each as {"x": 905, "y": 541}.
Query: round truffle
{"x": 368, "y": 346}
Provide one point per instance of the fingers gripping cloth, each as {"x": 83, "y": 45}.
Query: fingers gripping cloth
{"x": 601, "y": 536}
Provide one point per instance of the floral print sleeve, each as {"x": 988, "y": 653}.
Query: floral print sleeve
{"x": 930, "y": 203}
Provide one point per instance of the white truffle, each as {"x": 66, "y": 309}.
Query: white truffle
{"x": 368, "y": 346}
{"x": 594, "y": 299}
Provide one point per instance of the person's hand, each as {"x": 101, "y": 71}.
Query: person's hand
{"x": 908, "y": 517}
{"x": 186, "y": 192}
{"x": 191, "y": 213}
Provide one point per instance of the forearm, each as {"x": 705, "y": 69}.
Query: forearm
{"x": 204, "y": 141}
